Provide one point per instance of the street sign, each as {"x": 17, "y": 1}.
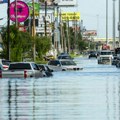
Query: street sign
{"x": 22, "y": 11}
{"x": 36, "y": 7}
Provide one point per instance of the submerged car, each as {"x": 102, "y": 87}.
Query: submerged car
{"x": 105, "y": 57}
{"x": 5, "y": 63}
{"x": 92, "y": 54}
{"x": 63, "y": 65}
{"x": 64, "y": 57}
{"x": 46, "y": 70}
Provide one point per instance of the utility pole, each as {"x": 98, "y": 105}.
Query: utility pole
{"x": 68, "y": 36}
{"x": 45, "y": 18}
{"x": 8, "y": 30}
{"x": 114, "y": 24}
{"x": 16, "y": 21}
{"x": 119, "y": 23}
{"x": 61, "y": 32}
{"x": 33, "y": 31}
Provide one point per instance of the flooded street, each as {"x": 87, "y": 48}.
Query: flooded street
{"x": 90, "y": 94}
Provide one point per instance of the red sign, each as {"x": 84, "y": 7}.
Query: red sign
{"x": 19, "y": 11}
{"x": 22, "y": 28}
{"x": 105, "y": 47}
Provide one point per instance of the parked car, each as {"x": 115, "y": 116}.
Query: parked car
{"x": 63, "y": 65}
{"x": 45, "y": 69}
{"x": 5, "y": 63}
{"x": 92, "y": 54}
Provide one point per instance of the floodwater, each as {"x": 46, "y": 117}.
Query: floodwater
{"x": 90, "y": 94}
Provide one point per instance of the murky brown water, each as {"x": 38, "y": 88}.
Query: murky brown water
{"x": 91, "y": 94}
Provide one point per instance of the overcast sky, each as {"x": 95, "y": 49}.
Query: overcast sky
{"x": 93, "y": 14}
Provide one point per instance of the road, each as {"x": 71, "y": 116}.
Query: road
{"x": 90, "y": 94}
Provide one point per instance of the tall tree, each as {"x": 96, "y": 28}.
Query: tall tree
{"x": 20, "y": 43}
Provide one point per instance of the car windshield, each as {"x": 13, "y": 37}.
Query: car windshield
{"x": 20, "y": 66}
{"x": 6, "y": 62}
{"x": 92, "y": 52}
{"x": 64, "y": 57}
{"x": 68, "y": 62}
{"x": 106, "y": 53}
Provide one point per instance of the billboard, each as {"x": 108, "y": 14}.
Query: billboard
{"x": 22, "y": 11}
{"x": 66, "y": 2}
{"x": 59, "y": 2}
{"x": 70, "y": 16}
{"x": 90, "y": 33}
{"x": 3, "y": 1}
{"x": 36, "y": 6}
{"x": 49, "y": 2}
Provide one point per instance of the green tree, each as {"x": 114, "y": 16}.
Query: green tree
{"x": 20, "y": 43}
{"x": 81, "y": 44}
{"x": 43, "y": 45}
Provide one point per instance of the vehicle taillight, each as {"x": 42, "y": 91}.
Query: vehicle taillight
{"x": 4, "y": 66}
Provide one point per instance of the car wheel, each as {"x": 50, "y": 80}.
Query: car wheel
{"x": 63, "y": 70}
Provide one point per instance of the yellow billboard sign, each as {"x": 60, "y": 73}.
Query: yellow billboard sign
{"x": 71, "y": 16}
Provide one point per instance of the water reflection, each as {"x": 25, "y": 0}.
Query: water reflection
{"x": 91, "y": 94}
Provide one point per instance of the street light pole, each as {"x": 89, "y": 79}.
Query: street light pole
{"x": 106, "y": 22}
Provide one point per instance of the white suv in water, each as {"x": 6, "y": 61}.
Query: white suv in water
{"x": 4, "y": 63}
{"x": 63, "y": 65}
{"x": 105, "y": 57}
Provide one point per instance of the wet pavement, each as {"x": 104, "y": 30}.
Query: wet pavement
{"x": 90, "y": 94}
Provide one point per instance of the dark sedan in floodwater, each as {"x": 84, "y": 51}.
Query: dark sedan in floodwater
{"x": 92, "y": 54}
{"x": 46, "y": 70}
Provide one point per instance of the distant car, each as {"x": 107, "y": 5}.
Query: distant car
{"x": 64, "y": 56}
{"x": 5, "y": 63}
{"x": 64, "y": 53}
{"x": 45, "y": 69}
{"x": 105, "y": 57}
{"x": 63, "y": 65}
{"x": 92, "y": 54}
